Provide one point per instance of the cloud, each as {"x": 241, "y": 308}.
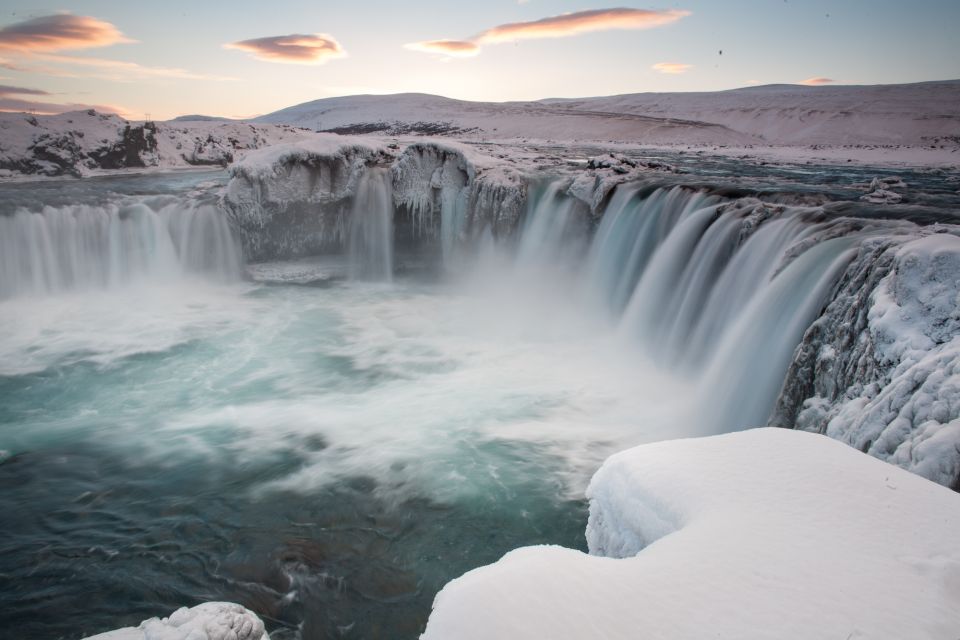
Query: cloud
{"x": 456, "y": 48}
{"x": 671, "y": 67}
{"x": 11, "y": 100}
{"x": 6, "y": 90}
{"x": 562, "y": 26}
{"x": 569, "y": 24}
{"x": 816, "y": 80}
{"x": 117, "y": 70}
{"x": 292, "y": 49}
{"x": 59, "y": 32}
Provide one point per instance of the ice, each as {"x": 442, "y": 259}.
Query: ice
{"x": 208, "y": 621}
{"x": 767, "y": 533}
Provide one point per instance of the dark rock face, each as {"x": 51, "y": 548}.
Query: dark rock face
{"x": 136, "y": 143}
{"x": 836, "y": 357}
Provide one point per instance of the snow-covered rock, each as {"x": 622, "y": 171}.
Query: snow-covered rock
{"x": 293, "y": 199}
{"x": 208, "y": 621}
{"x": 81, "y": 143}
{"x": 767, "y": 533}
{"x": 457, "y": 192}
{"x": 882, "y": 196}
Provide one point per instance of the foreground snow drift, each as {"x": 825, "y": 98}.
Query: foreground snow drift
{"x": 208, "y": 621}
{"x": 769, "y": 533}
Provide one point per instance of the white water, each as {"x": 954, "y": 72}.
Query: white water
{"x": 83, "y": 247}
{"x": 370, "y": 240}
{"x": 677, "y": 317}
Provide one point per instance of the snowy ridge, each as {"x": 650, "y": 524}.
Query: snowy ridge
{"x": 208, "y": 621}
{"x": 82, "y": 143}
{"x": 819, "y": 539}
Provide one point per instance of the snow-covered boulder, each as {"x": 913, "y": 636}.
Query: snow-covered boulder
{"x": 882, "y": 196}
{"x": 767, "y": 533}
{"x": 208, "y": 621}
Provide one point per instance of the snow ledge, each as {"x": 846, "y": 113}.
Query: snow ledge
{"x": 767, "y": 533}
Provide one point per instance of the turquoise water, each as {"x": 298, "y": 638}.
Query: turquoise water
{"x": 326, "y": 452}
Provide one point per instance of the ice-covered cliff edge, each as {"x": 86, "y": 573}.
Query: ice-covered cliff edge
{"x": 208, "y": 621}
{"x": 880, "y": 369}
{"x": 767, "y": 533}
{"x": 296, "y": 199}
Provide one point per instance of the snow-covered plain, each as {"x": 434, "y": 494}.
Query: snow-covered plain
{"x": 768, "y": 533}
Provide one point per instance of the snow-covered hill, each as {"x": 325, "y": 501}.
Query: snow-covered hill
{"x": 79, "y": 143}
{"x": 918, "y": 114}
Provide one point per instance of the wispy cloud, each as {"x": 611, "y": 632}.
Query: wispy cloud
{"x": 59, "y": 32}
{"x": 570, "y": 24}
{"x": 671, "y": 67}
{"x": 562, "y": 26}
{"x": 295, "y": 48}
{"x": 456, "y": 48}
{"x": 18, "y": 99}
{"x": 35, "y": 47}
{"x": 117, "y": 70}
{"x": 815, "y": 81}
{"x": 6, "y": 89}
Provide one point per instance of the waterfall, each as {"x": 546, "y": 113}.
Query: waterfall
{"x": 718, "y": 290}
{"x": 79, "y": 247}
{"x": 370, "y": 239}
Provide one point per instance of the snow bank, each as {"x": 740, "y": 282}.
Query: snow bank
{"x": 208, "y": 621}
{"x": 768, "y": 533}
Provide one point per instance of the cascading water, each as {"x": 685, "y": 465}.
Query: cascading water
{"x": 370, "y": 238}
{"x": 82, "y": 247}
{"x": 331, "y": 453}
{"x": 712, "y": 289}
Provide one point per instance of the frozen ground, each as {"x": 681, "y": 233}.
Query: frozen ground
{"x": 768, "y": 533}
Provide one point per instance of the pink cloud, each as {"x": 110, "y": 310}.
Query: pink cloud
{"x": 457, "y": 48}
{"x": 671, "y": 67}
{"x": 569, "y": 24}
{"x": 293, "y": 49}
{"x": 815, "y": 81}
{"x": 562, "y": 26}
{"x": 59, "y": 32}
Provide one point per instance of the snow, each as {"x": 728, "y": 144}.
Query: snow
{"x": 911, "y": 417}
{"x": 767, "y": 533}
{"x": 208, "y": 621}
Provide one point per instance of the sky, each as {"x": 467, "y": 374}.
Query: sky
{"x": 240, "y": 59}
